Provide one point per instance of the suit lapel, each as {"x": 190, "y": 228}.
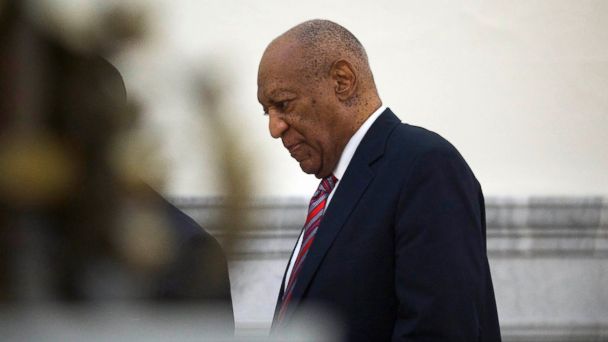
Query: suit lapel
{"x": 355, "y": 181}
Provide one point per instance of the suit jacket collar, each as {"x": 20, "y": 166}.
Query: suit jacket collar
{"x": 358, "y": 176}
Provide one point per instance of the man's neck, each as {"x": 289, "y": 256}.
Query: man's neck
{"x": 351, "y": 145}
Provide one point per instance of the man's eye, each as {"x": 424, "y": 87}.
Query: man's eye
{"x": 279, "y": 106}
{"x": 283, "y": 105}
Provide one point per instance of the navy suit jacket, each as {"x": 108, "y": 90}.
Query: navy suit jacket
{"x": 401, "y": 251}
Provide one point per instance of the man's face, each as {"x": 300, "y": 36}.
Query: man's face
{"x": 303, "y": 111}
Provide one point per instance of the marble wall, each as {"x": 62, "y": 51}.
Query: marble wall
{"x": 548, "y": 258}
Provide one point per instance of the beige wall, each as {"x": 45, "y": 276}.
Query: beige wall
{"x": 520, "y": 87}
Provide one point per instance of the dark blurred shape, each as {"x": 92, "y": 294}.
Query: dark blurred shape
{"x": 197, "y": 250}
{"x": 73, "y": 226}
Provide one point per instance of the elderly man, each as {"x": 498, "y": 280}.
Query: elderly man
{"x": 394, "y": 242}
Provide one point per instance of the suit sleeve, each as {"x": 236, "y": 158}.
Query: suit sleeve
{"x": 440, "y": 254}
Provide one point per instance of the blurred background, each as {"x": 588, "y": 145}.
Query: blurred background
{"x": 520, "y": 88}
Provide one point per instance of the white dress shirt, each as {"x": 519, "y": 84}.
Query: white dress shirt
{"x": 339, "y": 171}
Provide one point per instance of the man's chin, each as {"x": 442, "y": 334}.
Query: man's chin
{"x": 308, "y": 168}
{"x": 314, "y": 171}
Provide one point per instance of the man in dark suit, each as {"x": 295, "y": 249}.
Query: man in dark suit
{"x": 394, "y": 243}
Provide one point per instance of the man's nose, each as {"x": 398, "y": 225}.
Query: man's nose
{"x": 276, "y": 125}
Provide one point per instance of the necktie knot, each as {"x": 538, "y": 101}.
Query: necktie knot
{"x": 328, "y": 183}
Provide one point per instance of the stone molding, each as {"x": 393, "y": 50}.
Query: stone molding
{"x": 564, "y": 227}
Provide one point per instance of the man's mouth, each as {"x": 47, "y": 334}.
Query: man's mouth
{"x": 293, "y": 148}
{"x": 297, "y": 151}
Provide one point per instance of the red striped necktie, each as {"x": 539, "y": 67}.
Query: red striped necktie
{"x": 316, "y": 209}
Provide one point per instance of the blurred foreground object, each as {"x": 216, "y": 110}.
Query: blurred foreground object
{"x": 76, "y": 224}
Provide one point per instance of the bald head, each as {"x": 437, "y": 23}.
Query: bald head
{"x": 324, "y": 42}
{"x": 315, "y": 84}
{"x": 319, "y": 44}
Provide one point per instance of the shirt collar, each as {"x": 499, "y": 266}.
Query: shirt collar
{"x": 354, "y": 142}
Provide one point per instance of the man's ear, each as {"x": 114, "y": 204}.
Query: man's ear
{"x": 345, "y": 79}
